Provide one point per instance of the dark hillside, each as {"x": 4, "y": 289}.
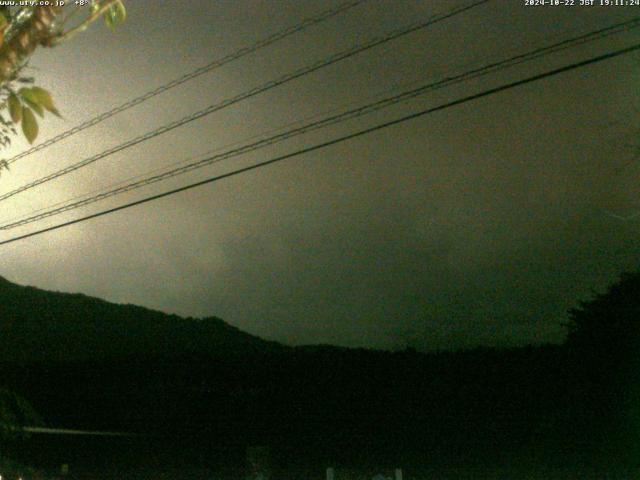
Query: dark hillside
{"x": 38, "y": 325}
{"x": 202, "y": 384}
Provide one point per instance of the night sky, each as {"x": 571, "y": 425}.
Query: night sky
{"x": 479, "y": 225}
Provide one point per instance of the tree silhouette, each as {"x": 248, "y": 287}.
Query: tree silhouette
{"x": 25, "y": 28}
{"x": 607, "y": 328}
{"x": 15, "y": 413}
{"x": 604, "y": 346}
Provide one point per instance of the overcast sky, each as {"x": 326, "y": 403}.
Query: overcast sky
{"x": 481, "y": 224}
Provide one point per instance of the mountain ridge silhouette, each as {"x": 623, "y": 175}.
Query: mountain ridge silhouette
{"x": 42, "y": 325}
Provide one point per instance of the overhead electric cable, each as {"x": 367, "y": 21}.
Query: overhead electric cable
{"x": 193, "y": 158}
{"x": 562, "y": 43}
{"x": 243, "y": 96}
{"x": 282, "y": 34}
{"x": 335, "y": 141}
{"x": 331, "y": 120}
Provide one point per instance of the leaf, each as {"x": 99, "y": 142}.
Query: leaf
{"x": 15, "y": 108}
{"x": 116, "y": 14}
{"x": 31, "y": 99}
{"x": 43, "y": 97}
{"x": 27, "y": 94}
{"x": 29, "y": 124}
{"x": 36, "y": 107}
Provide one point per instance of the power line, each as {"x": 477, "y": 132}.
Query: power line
{"x": 337, "y": 140}
{"x": 306, "y": 23}
{"x": 279, "y": 129}
{"x": 243, "y": 96}
{"x": 97, "y": 194}
{"x": 331, "y": 120}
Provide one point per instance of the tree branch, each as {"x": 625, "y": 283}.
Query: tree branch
{"x": 81, "y": 27}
